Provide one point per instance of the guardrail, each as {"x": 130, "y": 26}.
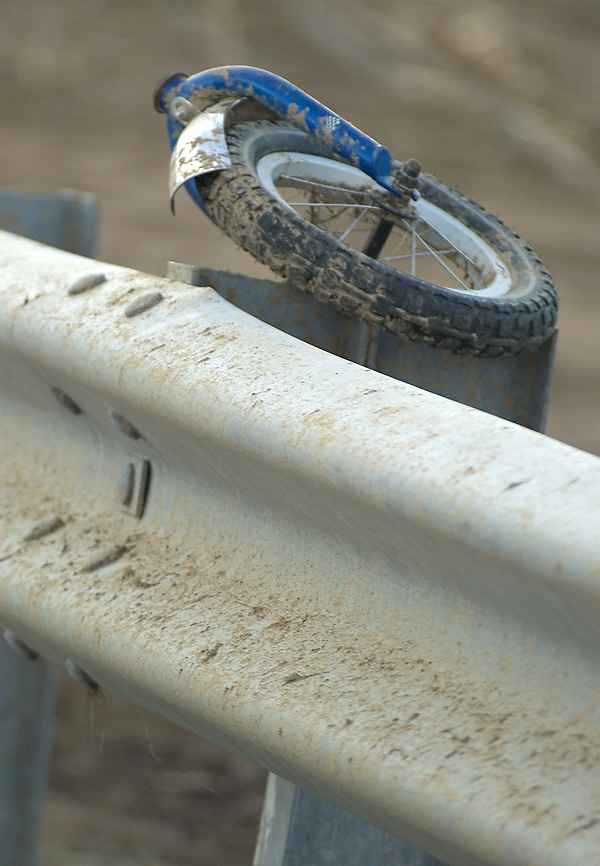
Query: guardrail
{"x": 383, "y": 596}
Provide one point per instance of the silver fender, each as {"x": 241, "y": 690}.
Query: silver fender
{"x": 201, "y": 147}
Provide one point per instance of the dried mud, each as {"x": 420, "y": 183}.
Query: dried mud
{"x": 498, "y": 99}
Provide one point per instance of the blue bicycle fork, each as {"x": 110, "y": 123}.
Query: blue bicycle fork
{"x": 289, "y": 103}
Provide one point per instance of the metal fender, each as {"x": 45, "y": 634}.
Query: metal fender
{"x": 201, "y": 147}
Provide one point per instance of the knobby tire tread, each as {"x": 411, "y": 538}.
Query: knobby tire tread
{"x": 367, "y": 288}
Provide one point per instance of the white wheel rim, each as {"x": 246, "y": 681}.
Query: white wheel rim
{"x": 464, "y": 245}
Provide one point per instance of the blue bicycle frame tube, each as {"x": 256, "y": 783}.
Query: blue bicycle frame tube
{"x": 291, "y": 104}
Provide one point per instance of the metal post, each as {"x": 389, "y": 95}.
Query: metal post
{"x": 26, "y": 708}
{"x": 67, "y": 220}
{"x": 298, "y": 828}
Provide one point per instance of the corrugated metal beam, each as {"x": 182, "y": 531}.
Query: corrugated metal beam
{"x": 515, "y": 387}
{"x": 383, "y": 596}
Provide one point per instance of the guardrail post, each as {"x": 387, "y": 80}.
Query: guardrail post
{"x": 297, "y": 827}
{"x": 26, "y": 708}
{"x": 67, "y": 220}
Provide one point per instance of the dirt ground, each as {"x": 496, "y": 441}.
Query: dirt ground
{"x": 496, "y": 97}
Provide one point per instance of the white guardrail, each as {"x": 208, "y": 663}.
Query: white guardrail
{"x": 383, "y": 596}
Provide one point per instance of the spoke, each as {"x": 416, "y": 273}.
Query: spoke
{"x": 301, "y": 183}
{"x": 332, "y": 204}
{"x": 353, "y": 225}
{"x": 402, "y": 239}
{"x": 442, "y": 263}
{"x": 415, "y": 255}
{"x": 320, "y": 220}
{"x": 337, "y": 193}
{"x": 319, "y": 188}
{"x": 448, "y": 241}
{"x": 329, "y": 229}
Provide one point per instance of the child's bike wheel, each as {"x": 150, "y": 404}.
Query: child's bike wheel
{"x": 442, "y": 272}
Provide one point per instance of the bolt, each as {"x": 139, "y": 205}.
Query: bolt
{"x": 66, "y": 402}
{"x": 85, "y": 283}
{"x": 145, "y": 302}
{"x": 45, "y": 527}
{"x": 105, "y": 558}
{"x": 182, "y": 110}
{"x": 80, "y": 676}
{"x": 17, "y": 644}
{"x": 406, "y": 176}
{"x": 125, "y": 426}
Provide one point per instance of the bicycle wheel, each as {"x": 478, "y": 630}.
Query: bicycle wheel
{"x": 444, "y": 272}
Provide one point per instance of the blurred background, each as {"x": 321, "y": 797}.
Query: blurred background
{"x": 496, "y": 97}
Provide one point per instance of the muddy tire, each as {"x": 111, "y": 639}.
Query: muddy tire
{"x": 501, "y": 299}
